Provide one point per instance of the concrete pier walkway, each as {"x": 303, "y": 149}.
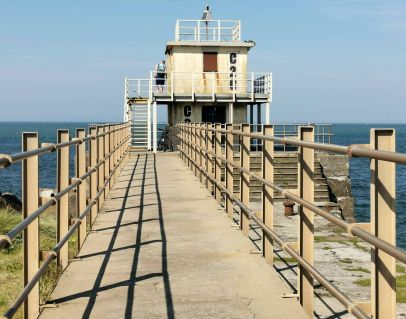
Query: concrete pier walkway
{"x": 162, "y": 248}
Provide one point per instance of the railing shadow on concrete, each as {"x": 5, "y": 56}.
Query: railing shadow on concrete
{"x": 201, "y": 150}
{"x": 141, "y": 164}
{"x": 107, "y": 149}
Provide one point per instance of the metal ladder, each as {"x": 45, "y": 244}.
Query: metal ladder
{"x": 139, "y": 127}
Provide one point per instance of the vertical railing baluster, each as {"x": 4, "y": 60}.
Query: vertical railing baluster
{"x": 62, "y": 206}
{"x": 306, "y": 218}
{"x": 217, "y": 172}
{"x": 209, "y": 138}
{"x": 107, "y": 163}
{"x": 111, "y": 160}
{"x": 181, "y": 140}
{"x": 30, "y": 200}
{"x": 100, "y": 147}
{"x": 115, "y": 157}
{"x": 245, "y": 178}
{"x": 229, "y": 170}
{"x": 196, "y": 150}
{"x": 93, "y": 157}
{"x": 383, "y": 225}
{"x": 191, "y": 147}
{"x": 80, "y": 169}
{"x": 267, "y": 191}
{"x": 202, "y": 144}
{"x": 197, "y": 143}
{"x": 188, "y": 147}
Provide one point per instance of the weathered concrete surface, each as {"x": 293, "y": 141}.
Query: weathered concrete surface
{"x": 341, "y": 258}
{"x": 162, "y": 249}
{"x": 336, "y": 170}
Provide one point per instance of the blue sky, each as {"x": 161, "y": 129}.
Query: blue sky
{"x": 332, "y": 60}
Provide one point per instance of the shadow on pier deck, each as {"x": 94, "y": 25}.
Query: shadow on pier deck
{"x": 162, "y": 248}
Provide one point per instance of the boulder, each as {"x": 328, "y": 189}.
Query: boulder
{"x": 8, "y": 200}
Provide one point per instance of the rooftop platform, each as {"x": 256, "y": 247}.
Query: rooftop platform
{"x": 162, "y": 248}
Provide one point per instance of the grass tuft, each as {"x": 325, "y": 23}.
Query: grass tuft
{"x": 11, "y": 259}
{"x": 360, "y": 269}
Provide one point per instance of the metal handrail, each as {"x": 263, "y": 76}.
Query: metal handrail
{"x": 7, "y": 239}
{"x": 353, "y": 307}
{"x": 199, "y": 145}
{"x": 351, "y": 228}
{"x": 208, "y": 30}
{"x": 202, "y": 82}
{"x": 353, "y": 150}
{"x": 53, "y": 253}
{"x": 8, "y": 159}
{"x": 105, "y": 165}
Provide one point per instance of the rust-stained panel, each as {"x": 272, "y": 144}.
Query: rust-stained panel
{"x": 210, "y": 62}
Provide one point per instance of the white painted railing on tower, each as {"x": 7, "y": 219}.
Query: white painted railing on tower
{"x": 212, "y": 83}
{"x": 208, "y": 30}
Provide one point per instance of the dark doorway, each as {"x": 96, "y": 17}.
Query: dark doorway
{"x": 214, "y": 114}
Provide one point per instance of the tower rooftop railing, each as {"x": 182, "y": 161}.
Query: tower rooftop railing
{"x": 207, "y": 86}
{"x": 208, "y": 30}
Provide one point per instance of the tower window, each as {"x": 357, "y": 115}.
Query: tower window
{"x": 210, "y": 62}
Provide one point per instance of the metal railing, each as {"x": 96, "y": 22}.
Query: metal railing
{"x": 201, "y": 149}
{"x": 323, "y": 133}
{"x": 247, "y": 84}
{"x": 107, "y": 147}
{"x": 208, "y": 30}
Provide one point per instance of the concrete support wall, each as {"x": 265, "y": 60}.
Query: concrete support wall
{"x": 189, "y": 111}
{"x": 336, "y": 170}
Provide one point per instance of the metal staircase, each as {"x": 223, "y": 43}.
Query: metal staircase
{"x": 139, "y": 127}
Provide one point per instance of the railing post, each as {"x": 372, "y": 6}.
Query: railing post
{"x": 267, "y": 192}
{"x": 245, "y": 178}
{"x": 107, "y": 163}
{"x": 209, "y": 158}
{"x": 115, "y": 159}
{"x": 383, "y": 225}
{"x": 193, "y": 148}
{"x": 202, "y": 144}
{"x": 188, "y": 146}
{"x": 30, "y": 201}
{"x": 177, "y": 31}
{"x": 80, "y": 168}
{"x": 93, "y": 157}
{"x": 184, "y": 144}
{"x": 149, "y": 135}
{"x": 252, "y": 87}
{"x": 62, "y": 206}
{"x": 155, "y": 127}
{"x": 197, "y": 143}
{"x": 196, "y": 150}
{"x": 229, "y": 170}
{"x": 198, "y": 31}
{"x": 306, "y": 216}
{"x": 100, "y": 147}
{"x": 180, "y": 126}
{"x": 217, "y": 171}
{"x": 111, "y": 148}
